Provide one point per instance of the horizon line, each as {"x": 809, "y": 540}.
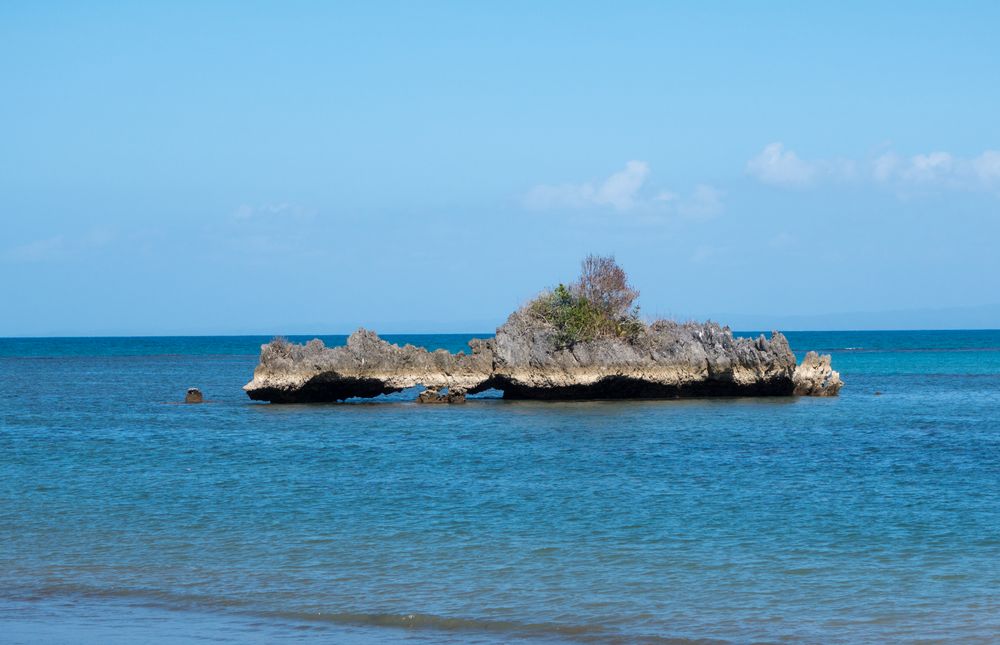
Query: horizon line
{"x": 493, "y": 333}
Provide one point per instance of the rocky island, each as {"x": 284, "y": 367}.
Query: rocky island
{"x": 582, "y": 341}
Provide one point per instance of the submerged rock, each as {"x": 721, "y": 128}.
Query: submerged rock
{"x": 526, "y": 361}
{"x": 816, "y": 377}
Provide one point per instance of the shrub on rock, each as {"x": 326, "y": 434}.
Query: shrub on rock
{"x": 600, "y": 304}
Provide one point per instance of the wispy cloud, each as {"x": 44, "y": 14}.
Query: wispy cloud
{"x": 783, "y": 240}
{"x": 626, "y": 190}
{"x": 620, "y": 191}
{"x": 940, "y": 170}
{"x": 705, "y": 201}
{"x": 56, "y": 247}
{"x": 708, "y": 254}
{"x": 775, "y": 165}
{"x": 778, "y": 166}
{"x": 280, "y": 210}
{"x": 37, "y": 250}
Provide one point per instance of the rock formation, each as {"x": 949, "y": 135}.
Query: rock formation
{"x": 815, "y": 377}
{"x": 436, "y": 395}
{"x": 526, "y": 361}
{"x": 193, "y": 396}
{"x": 365, "y": 367}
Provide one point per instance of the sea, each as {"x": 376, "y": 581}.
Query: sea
{"x": 129, "y": 517}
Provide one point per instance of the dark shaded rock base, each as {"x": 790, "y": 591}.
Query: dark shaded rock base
{"x": 324, "y": 390}
{"x": 620, "y": 387}
{"x": 320, "y": 390}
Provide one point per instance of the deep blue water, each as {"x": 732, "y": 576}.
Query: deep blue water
{"x": 126, "y": 517}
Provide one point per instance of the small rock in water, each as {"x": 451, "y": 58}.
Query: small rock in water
{"x": 434, "y": 395}
{"x": 815, "y": 377}
{"x": 193, "y": 396}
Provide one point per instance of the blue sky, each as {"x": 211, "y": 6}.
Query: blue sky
{"x": 309, "y": 168}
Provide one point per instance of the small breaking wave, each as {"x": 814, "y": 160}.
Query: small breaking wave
{"x": 461, "y": 628}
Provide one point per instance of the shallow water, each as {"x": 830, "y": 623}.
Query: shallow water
{"x": 125, "y": 517}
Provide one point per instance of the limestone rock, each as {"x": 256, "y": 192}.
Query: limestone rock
{"x": 435, "y": 395}
{"x": 816, "y": 377}
{"x": 524, "y": 360}
{"x": 665, "y": 360}
{"x": 366, "y": 366}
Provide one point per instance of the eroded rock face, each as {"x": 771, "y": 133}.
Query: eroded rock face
{"x": 665, "y": 360}
{"x": 816, "y": 377}
{"x": 366, "y": 366}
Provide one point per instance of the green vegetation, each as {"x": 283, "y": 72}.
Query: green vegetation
{"x": 600, "y": 304}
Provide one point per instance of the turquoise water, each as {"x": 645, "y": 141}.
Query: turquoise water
{"x": 125, "y": 517}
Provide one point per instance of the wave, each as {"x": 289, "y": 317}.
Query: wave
{"x": 457, "y": 626}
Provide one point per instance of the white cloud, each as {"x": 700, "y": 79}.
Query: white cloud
{"x": 987, "y": 167}
{"x": 939, "y": 170}
{"x": 775, "y": 165}
{"x": 624, "y": 191}
{"x": 620, "y": 191}
{"x": 935, "y": 166}
{"x": 779, "y": 166}
{"x": 885, "y": 166}
{"x": 933, "y": 170}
